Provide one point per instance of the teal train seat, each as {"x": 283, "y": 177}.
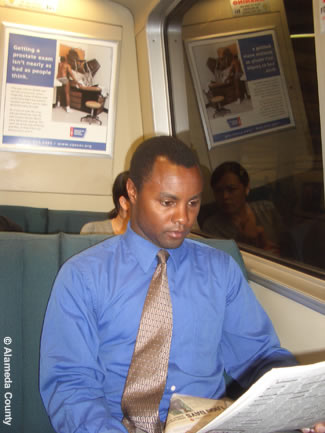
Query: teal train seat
{"x": 44, "y": 221}
{"x": 28, "y": 266}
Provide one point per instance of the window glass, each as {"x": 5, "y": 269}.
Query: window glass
{"x": 269, "y": 194}
{"x": 306, "y": 220}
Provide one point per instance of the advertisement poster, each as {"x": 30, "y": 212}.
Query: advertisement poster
{"x": 58, "y": 93}
{"x": 239, "y": 86}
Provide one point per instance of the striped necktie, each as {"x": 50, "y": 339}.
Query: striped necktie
{"x": 146, "y": 380}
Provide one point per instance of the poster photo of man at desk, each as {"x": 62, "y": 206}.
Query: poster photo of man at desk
{"x": 81, "y": 84}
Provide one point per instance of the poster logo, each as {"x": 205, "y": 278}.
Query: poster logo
{"x": 235, "y": 121}
{"x": 77, "y": 132}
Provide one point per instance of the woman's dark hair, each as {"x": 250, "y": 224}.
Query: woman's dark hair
{"x": 171, "y": 148}
{"x": 118, "y": 190}
{"x": 229, "y": 167}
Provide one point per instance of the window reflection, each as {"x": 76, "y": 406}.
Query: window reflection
{"x": 234, "y": 216}
{"x": 303, "y": 204}
{"x": 285, "y": 169}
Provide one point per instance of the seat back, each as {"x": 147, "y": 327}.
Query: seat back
{"x": 28, "y": 265}
{"x": 30, "y": 219}
{"x": 69, "y": 221}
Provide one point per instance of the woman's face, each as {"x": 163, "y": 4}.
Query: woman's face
{"x": 230, "y": 194}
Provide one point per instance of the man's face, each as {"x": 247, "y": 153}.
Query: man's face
{"x": 166, "y": 207}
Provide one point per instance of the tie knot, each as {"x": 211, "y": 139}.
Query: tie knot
{"x": 163, "y": 256}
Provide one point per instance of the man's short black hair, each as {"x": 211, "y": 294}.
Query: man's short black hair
{"x": 144, "y": 157}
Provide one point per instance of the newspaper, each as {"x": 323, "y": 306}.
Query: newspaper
{"x": 189, "y": 414}
{"x": 283, "y": 399}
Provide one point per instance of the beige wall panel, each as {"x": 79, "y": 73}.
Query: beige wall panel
{"x": 298, "y": 327}
{"x": 32, "y": 175}
{"x": 92, "y": 202}
{"x": 144, "y": 82}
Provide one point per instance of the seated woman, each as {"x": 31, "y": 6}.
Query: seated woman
{"x": 256, "y": 223}
{"x": 119, "y": 216}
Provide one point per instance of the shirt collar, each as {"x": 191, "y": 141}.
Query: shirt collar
{"x": 145, "y": 251}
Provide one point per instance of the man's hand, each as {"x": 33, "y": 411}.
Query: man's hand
{"x": 318, "y": 428}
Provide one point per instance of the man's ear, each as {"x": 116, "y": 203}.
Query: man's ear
{"x": 132, "y": 191}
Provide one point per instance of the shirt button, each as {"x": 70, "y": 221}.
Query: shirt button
{"x": 172, "y": 388}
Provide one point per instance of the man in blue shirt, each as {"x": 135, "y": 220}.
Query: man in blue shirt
{"x": 95, "y": 307}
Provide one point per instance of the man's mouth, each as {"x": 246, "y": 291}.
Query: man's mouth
{"x": 176, "y": 234}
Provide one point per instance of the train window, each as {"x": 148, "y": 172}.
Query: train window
{"x": 280, "y": 212}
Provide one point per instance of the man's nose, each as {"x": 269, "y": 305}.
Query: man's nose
{"x": 181, "y": 215}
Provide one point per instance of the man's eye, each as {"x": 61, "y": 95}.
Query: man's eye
{"x": 167, "y": 203}
{"x": 194, "y": 203}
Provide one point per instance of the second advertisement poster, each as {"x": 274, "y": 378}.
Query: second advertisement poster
{"x": 239, "y": 85}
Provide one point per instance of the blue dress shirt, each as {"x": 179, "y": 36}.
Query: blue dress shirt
{"x": 92, "y": 321}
